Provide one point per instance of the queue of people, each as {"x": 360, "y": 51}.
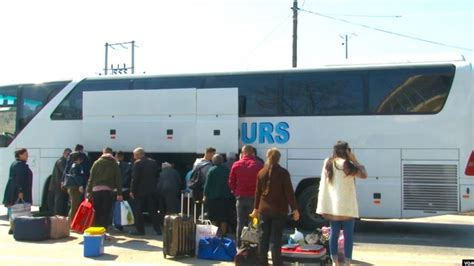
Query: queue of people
{"x": 262, "y": 190}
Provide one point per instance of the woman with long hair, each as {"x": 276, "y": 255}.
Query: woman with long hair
{"x": 273, "y": 196}
{"x": 337, "y": 199}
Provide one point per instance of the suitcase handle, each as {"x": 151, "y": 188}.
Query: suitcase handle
{"x": 182, "y": 202}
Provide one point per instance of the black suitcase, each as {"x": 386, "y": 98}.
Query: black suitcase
{"x": 31, "y": 228}
{"x": 179, "y": 232}
{"x": 247, "y": 256}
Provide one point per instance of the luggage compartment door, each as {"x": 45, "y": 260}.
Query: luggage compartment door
{"x": 217, "y": 120}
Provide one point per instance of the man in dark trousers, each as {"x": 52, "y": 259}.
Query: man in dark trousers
{"x": 143, "y": 191}
{"x": 243, "y": 182}
{"x": 57, "y": 197}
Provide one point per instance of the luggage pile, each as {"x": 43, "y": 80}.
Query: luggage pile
{"x": 28, "y": 228}
{"x": 312, "y": 248}
{"x": 187, "y": 235}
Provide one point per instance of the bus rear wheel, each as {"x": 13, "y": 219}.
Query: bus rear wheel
{"x": 307, "y": 202}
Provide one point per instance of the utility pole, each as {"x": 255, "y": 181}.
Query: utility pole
{"x": 123, "y": 45}
{"x": 346, "y": 42}
{"x": 106, "y": 58}
{"x": 133, "y": 57}
{"x": 295, "y": 31}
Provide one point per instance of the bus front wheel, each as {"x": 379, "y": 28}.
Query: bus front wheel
{"x": 307, "y": 202}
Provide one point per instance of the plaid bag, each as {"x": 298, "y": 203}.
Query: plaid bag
{"x": 19, "y": 209}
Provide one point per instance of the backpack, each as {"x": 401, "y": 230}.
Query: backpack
{"x": 196, "y": 183}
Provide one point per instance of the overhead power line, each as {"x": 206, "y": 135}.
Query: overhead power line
{"x": 386, "y": 31}
{"x": 364, "y": 16}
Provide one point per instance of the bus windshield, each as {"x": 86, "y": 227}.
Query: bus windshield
{"x": 20, "y": 103}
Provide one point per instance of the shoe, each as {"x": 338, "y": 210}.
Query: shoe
{"x": 136, "y": 233}
{"x": 107, "y": 237}
{"x": 10, "y": 232}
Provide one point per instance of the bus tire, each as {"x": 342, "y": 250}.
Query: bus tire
{"x": 307, "y": 202}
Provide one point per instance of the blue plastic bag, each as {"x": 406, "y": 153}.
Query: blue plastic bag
{"x": 217, "y": 248}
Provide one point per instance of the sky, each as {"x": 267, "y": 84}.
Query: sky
{"x": 51, "y": 40}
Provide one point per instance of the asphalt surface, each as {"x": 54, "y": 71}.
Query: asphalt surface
{"x": 441, "y": 240}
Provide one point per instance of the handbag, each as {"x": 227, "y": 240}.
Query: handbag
{"x": 20, "y": 208}
{"x": 250, "y": 234}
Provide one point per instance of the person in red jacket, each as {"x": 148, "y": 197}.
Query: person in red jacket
{"x": 243, "y": 182}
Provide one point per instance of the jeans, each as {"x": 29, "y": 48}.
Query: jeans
{"x": 103, "y": 202}
{"x": 271, "y": 227}
{"x": 244, "y": 207}
{"x": 348, "y": 227}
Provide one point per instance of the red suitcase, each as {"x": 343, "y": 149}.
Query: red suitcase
{"x": 304, "y": 254}
{"x": 84, "y": 217}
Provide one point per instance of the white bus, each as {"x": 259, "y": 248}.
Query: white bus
{"x": 411, "y": 124}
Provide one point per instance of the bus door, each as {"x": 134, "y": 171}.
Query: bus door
{"x": 34, "y": 164}
{"x": 217, "y": 118}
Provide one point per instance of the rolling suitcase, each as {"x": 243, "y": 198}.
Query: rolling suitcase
{"x": 60, "y": 227}
{"x": 31, "y": 228}
{"x": 84, "y": 217}
{"x": 179, "y": 233}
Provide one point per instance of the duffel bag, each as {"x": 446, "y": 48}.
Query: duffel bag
{"x": 217, "y": 248}
{"x": 31, "y": 228}
{"x": 60, "y": 227}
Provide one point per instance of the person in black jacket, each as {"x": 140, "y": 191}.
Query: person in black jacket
{"x": 20, "y": 181}
{"x": 57, "y": 196}
{"x": 143, "y": 191}
{"x": 75, "y": 183}
{"x": 126, "y": 172}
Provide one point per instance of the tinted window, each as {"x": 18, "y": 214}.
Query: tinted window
{"x": 20, "y": 103}
{"x": 323, "y": 93}
{"x": 168, "y": 83}
{"x": 259, "y": 94}
{"x": 71, "y": 107}
{"x": 409, "y": 90}
{"x": 34, "y": 97}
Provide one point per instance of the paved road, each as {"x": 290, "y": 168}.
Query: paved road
{"x": 443, "y": 240}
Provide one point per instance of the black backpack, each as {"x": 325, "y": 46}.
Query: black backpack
{"x": 196, "y": 183}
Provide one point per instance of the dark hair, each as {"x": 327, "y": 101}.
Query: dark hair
{"x": 210, "y": 150}
{"x": 67, "y": 150}
{"x": 75, "y": 155}
{"x": 119, "y": 153}
{"x": 248, "y": 149}
{"x": 340, "y": 151}
{"x": 108, "y": 150}
{"x": 20, "y": 152}
{"x": 79, "y": 147}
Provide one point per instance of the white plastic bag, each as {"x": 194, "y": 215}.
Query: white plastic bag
{"x": 297, "y": 237}
{"x": 206, "y": 229}
{"x": 123, "y": 214}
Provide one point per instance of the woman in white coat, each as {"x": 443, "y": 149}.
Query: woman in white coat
{"x": 337, "y": 199}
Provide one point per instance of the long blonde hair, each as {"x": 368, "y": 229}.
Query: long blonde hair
{"x": 273, "y": 158}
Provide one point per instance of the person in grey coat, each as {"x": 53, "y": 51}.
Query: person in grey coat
{"x": 169, "y": 186}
